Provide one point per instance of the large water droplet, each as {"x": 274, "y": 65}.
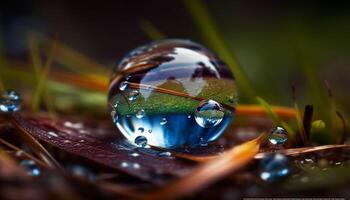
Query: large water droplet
{"x": 141, "y": 141}
{"x": 31, "y": 167}
{"x": 209, "y": 113}
{"x": 10, "y": 101}
{"x": 274, "y": 167}
{"x": 278, "y": 136}
{"x": 140, "y": 114}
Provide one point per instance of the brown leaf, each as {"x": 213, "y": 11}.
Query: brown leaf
{"x": 100, "y": 142}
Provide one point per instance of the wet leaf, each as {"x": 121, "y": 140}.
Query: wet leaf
{"x": 101, "y": 143}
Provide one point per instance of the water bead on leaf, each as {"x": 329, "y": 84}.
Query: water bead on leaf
{"x": 159, "y": 86}
{"x": 278, "y": 136}
{"x": 31, "y": 167}
{"x": 10, "y": 101}
{"x": 274, "y": 167}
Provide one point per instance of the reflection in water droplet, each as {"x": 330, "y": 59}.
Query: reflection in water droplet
{"x": 10, "y": 101}
{"x": 140, "y": 114}
{"x": 209, "y": 113}
{"x": 163, "y": 121}
{"x": 141, "y": 130}
{"x": 31, "y": 167}
{"x": 141, "y": 141}
{"x": 278, "y": 136}
{"x": 123, "y": 85}
{"x": 274, "y": 167}
{"x": 133, "y": 94}
{"x": 189, "y": 116}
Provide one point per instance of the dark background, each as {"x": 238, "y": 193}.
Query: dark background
{"x": 267, "y": 37}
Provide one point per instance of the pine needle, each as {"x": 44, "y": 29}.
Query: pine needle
{"x": 207, "y": 173}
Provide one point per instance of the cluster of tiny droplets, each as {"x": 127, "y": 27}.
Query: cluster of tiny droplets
{"x": 31, "y": 167}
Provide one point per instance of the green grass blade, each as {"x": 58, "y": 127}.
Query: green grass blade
{"x": 274, "y": 117}
{"x": 207, "y": 27}
{"x": 150, "y": 30}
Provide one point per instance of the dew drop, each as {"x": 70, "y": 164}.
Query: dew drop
{"x": 163, "y": 121}
{"x": 278, "y": 136}
{"x": 140, "y": 114}
{"x": 150, "y": 130}
{"x": 134, "y": 154}
{"x": 123, "y": 85}
{"x": 81, "y": 172}
{"x": 10, "y": 101}
{"x": 52, "y": 134}
{"x": 141, "y": 141}
{"x": 114, "y": 116}
{"x": 133, "y": 94}
{"x": 189, "y": 116}
{"x": 164, "y": 154}
{"x": 136, "y": 166}
{"x": 31, "y": 167}
{"x": 274, "y": 167}
{"x": 209, "y": 113}
{"x": 124, "y": 164}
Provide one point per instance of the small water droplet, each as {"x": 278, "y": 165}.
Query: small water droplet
{"x": 81, "y": 141}
{"x": 114, "y": 116}
{"x": 134, "y": 154}
{"x": 133, "y": 94}
{"x": 141, "y": 130}
{"x": 66, "y": 141}
{"x": 31, "y": 167}
{"x": 81, "y": 172}
{"x": 274, "y": 167}
{"x": 19, "y": 153}
{"x": 189, "y": 116}
{"x": 150, "y": 130}
{"x": 10, "y": 101}
{"x": 124, "y": 164}
{"x": 278, "y": 136}
{"x": 52, "y": 134}
{"x": 209, "y": 113}
{"x": 136, "y": 166}
{"x": 140, "y": 114}
{"x": 163, "y": 121}
{"x": 123, "y": 85}
{"x": 141, "y": 141}
{"x": 164, "y": 154}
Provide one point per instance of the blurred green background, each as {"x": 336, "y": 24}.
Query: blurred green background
{"x": 277, "y": 43}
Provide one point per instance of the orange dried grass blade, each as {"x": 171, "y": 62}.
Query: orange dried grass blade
{"x": 211, "y": 171}
{"x": 259, "y": 111}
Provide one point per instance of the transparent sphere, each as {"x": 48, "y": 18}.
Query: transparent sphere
{"x": 172, "y": 93}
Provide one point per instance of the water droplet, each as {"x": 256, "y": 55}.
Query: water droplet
{"x": 209, "y": 113}
{"x": 124, "y": 164}
{"x": 73, "y": 125}
{"x": 134, "y": 154}
{"x": 31, "y": 167}
{"x": 141, "y": 141}
{"x": 114, "y": 116}
{"x": 164, "y": 154}
{"x": 150, "y": 130}
{"x": 133, "y": 94}
{"x": 274, "y": 167}
{"x": 136, "y": 166}
{"x": 123, "y": 85}
{"x": 278, "y": 136}
{"x": 200, "y": 76}
{"x": 10, "y": 101}
{"x": 81, "y": 172}
{"x": 163, "y": 121}
{"x": 141, "y": 130}
{"x": 52, "y": 134}
{"x": 66, "y": 141}
{"x": 140, "y": 114}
